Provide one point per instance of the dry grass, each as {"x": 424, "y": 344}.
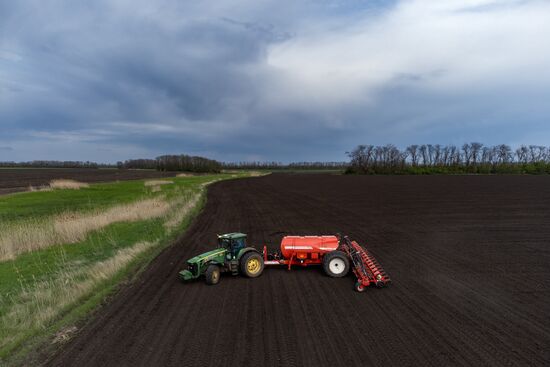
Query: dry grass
{"x": 45, "y": 300}
{"x": 181, "y": 210}
{"x": 149, "y": 183}
{"x": 256, "y": 173}
{"x": 64, "y": 334}
{"x": 25, "y": 236}
{"x": 156, "y": 184}
{"x": 72, "y": 227}
{"x": 67, "y": 184}
{"x": 39, "y": 188}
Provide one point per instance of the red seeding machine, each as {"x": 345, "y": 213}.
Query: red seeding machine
{"x": 337, "y": 255}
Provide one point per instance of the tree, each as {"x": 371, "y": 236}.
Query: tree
{"x": 424, "y": 154}
{"x": 504, "y": 153}
{"x": 475, "y": 152}
{"x": 522, "y": 154}
{"x": 437, "y": 154}
{"x": 412, "y": 150}
{"x": 361, "y": 157}
{"x": 467, "y": 153}
{"x": 432, "y": 158}
{"x": 536, "y": 153}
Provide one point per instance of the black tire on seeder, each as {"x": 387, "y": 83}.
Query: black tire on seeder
{"x": 336, "y": 264}
{"x": 212, "y": 274}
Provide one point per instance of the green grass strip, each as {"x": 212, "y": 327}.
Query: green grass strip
{"x": 21, "y": 276}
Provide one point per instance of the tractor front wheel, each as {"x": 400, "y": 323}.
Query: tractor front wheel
{"x": 336, "y": 264}
{"x": 212, "y": 274}
{"x": 252, "y": 264}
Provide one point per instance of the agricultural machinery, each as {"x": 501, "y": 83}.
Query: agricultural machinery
{"x": 232, "y": 255}
{"x": 337, "y": 255}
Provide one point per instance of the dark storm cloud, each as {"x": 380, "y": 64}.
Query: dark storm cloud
{"x": 106, "y": 69}
{"x": 109, "y": 80}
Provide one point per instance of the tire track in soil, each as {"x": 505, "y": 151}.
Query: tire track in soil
{"x": 460, "y": 250}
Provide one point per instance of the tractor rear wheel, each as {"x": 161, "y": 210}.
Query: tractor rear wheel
{"x": 252, "y": 264}
{"x": 336, "y": 264}
{"x": 212, "y": 274}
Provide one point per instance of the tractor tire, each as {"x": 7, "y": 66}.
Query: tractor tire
{"x": 336, "y": 264}
{"x": 212, "y": 274}
{"x": 252, "y": 264}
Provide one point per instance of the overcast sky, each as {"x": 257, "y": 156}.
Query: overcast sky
{"x": 268, "y": 80}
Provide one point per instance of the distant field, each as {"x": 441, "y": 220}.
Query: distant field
{"x": 290, "y": 170}
{"x": 21, "y": 179}
{"x": 334, "y": 171}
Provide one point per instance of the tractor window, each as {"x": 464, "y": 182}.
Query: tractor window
{"x": 225, "y": 243}
{"x": 239, "y": 243}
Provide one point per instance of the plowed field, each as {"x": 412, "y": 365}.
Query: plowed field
{"x": 469, "y": 257}
{"x": 20, "y": 179}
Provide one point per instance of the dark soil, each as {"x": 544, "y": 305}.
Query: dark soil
{"x": 469, "y": 257}
{"x": 19, "y": 179}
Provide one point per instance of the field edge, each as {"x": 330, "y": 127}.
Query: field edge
{"x": 39, "y": 348}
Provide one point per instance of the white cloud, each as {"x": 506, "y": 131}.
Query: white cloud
{"x": 441, "y": 45}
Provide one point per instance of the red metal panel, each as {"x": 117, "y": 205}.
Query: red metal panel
{"x": 292, "y": 245}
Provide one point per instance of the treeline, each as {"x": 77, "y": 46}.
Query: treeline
{"x": 174, "y": 163}
{"x": 364, "y": 159}
{"x": 200, "y": 164}
{"x": 182, "y": 162}
{"x": 163, "y": 163}
{"x": 56, "y": 164}
{"x": 272, "y": 166}
{"x": 434, "y": 158}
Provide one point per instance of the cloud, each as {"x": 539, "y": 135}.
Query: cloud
{"x": 271, "y": 80}
{"x": 426, "y": 70}
{"x": 435, "y": 45}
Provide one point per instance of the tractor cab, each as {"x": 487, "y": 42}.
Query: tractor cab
{"x": 232, "y": 242}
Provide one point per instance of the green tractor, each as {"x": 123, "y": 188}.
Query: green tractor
{"x": 232, "y": 255}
